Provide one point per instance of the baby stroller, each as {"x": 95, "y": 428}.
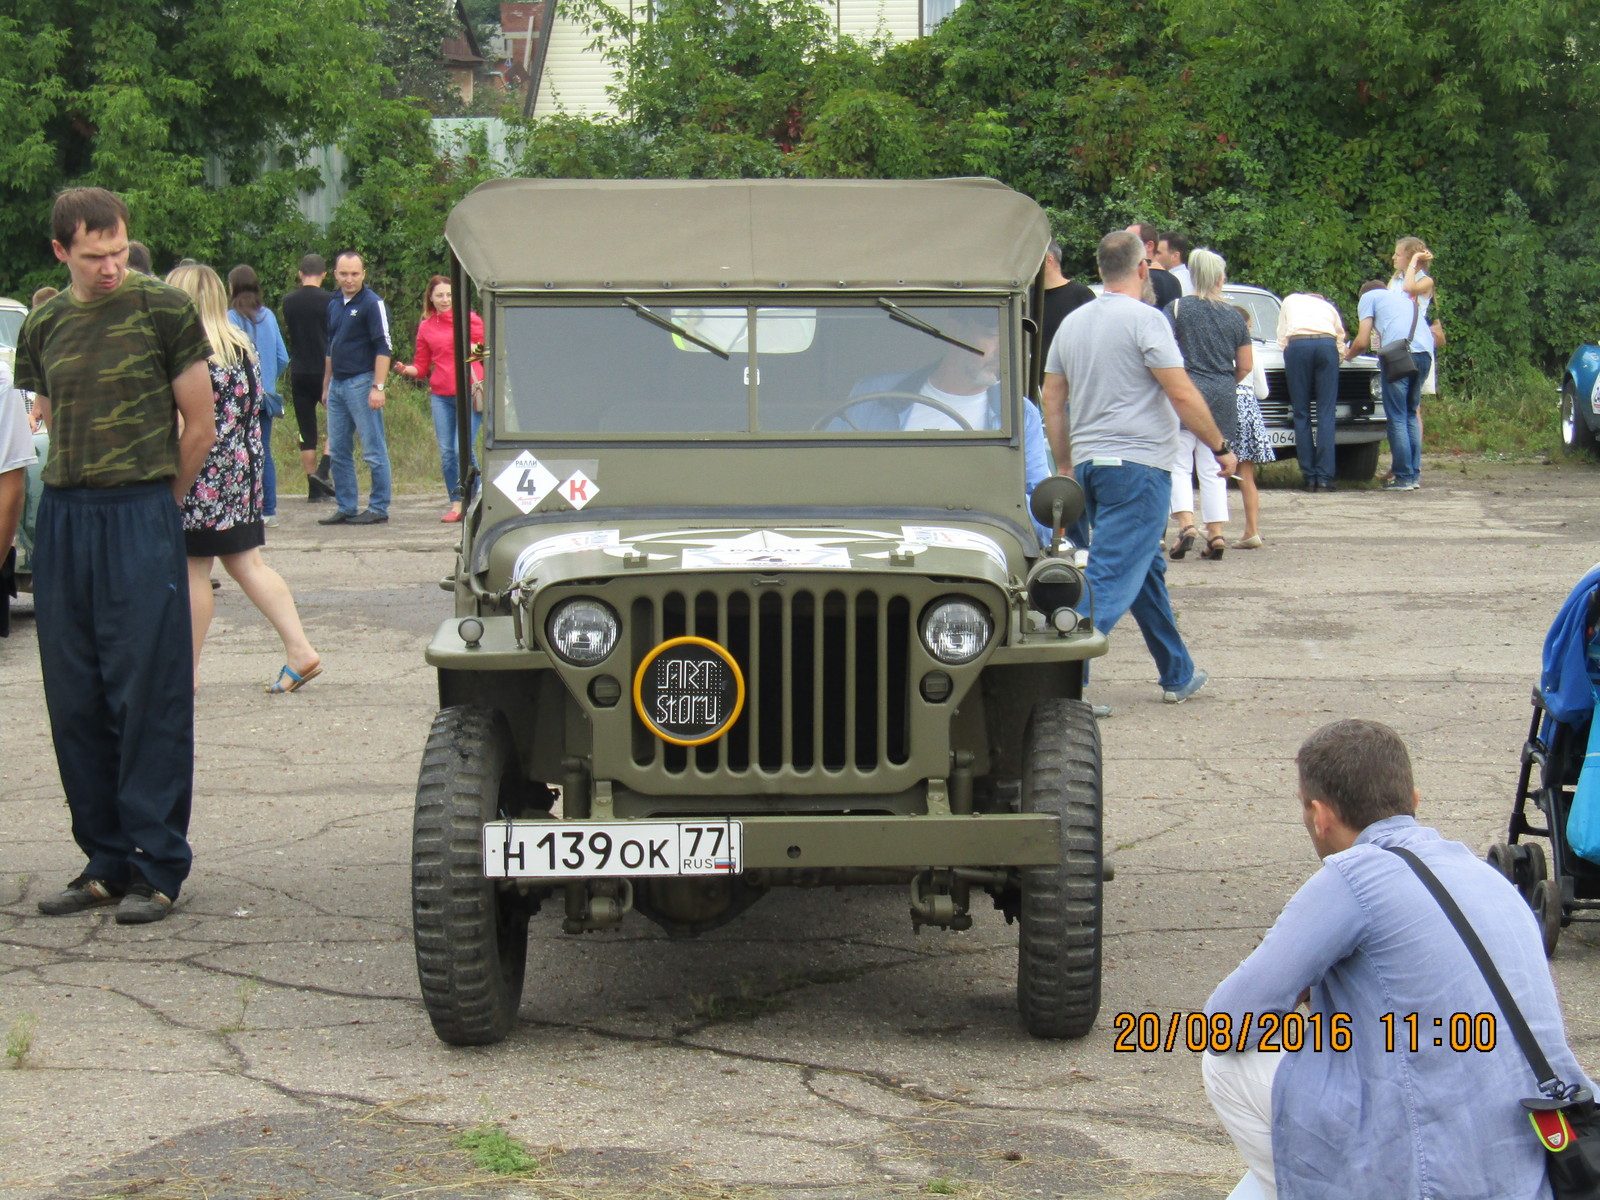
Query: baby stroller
{"x": 1563, "y": 886}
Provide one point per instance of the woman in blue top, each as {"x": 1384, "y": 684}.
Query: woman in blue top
{"x": 248, "y": 313}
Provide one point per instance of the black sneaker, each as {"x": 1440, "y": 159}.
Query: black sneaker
{"x": 83, "y": 893}
{"x": 368, "y": 518}
{"x": 142, "y": 905}
{"x": 337, "y": 517}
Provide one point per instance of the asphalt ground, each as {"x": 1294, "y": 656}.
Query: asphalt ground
{"x": 267, "y": 1039}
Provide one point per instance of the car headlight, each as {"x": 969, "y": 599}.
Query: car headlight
{"x": 583, "y": 632}
{"x": 1376, "y": 386}
{"x": 956, "y": 630}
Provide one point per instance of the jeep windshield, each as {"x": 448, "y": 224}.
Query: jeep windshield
{"x": 816, "y": 369}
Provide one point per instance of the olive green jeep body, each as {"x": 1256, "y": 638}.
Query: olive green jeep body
{"x": 750, "y": 592}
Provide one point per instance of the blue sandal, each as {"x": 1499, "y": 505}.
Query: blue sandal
{"x": 295, "y": 681}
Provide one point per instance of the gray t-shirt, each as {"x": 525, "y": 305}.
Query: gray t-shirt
{"x": 1115, "y": 407}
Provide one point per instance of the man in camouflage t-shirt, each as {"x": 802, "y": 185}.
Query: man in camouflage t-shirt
{"x": 115, "y": 361}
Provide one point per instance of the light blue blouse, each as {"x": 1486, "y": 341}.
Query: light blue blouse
{"x": 1384, "y": 1119}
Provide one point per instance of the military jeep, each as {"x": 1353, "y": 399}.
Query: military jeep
{"x": 751, "y": 593}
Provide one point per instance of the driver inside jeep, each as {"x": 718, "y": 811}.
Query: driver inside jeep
{"x": 958, "y": 391}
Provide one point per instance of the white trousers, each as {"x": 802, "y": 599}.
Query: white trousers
{"x": 1239, "y": 1087}
{"x": 1194, "y": 456}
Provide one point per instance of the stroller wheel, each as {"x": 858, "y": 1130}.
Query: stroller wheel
{"x": 1532, "y": 868}
{"x": 1547, "y": 907}
{"x": 1503, "y": 859}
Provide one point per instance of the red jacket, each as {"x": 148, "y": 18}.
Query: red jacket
{"x": 436, "y": 348}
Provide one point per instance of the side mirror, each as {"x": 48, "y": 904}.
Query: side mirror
{"x": 1056, "y": 503}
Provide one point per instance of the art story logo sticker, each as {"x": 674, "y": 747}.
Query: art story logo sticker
{"x": 688, "y": 690}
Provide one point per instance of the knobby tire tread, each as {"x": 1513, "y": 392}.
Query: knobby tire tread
{"x": 469, "y": 967}
{"x": 1059, "y": 958}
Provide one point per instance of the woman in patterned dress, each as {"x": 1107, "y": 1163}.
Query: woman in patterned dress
{"x": 222, "y": 512}
{"x": 1254, "y": 446}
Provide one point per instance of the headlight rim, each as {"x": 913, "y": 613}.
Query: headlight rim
{"x": 553, "y": 642}
{"x": 934, "y": 606}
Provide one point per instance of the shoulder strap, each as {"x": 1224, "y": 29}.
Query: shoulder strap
{"x": 1549, "y": 1083}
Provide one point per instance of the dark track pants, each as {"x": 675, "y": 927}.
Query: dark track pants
{"x": 111, "y": 590}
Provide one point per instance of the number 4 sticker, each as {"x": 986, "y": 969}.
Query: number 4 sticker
{"x": 525, "y": 481}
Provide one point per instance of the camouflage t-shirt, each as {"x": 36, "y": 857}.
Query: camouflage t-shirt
{"x": 107, "y": 367}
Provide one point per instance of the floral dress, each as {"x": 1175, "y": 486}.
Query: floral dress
{"x": 222, "y": 512}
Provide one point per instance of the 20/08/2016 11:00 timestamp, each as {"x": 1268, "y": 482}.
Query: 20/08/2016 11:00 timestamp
{"x": 1146, "y": 1032}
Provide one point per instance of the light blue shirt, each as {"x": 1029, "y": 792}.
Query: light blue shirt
{"x": 268, "y": 341}
{"x": 1369, "y": 941}
{"x": 1391, "y": 311}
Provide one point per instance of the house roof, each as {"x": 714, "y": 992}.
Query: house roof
{"x": 647, "y": 235}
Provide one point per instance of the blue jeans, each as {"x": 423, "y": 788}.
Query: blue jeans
{"x": 1127, "y": 506}
{"x": 269, "y": 471}
{"x": 1401, "y": 400}
{"x": 1311, "y": 369}
{"x": 348, "y": 417}
{"x": 444, "y": 428}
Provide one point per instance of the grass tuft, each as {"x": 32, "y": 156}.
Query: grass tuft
{"x": 496, "y": 1151}
{"x": 19, "y": 1039}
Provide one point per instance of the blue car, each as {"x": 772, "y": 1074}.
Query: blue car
{"x": 1580, "y": 400}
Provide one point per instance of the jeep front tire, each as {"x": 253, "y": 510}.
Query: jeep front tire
{"x": 471, "y": 935}
{"x": 1058, "y": 950}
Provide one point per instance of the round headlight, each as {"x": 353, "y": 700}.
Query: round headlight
{"x": 1375, "y": 388}
{"x": 956, "y": 630}
{"x": 583, "y": 632}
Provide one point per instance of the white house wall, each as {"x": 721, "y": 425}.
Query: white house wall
{"x": 576, "y": 77}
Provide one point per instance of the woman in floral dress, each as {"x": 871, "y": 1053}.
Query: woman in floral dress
{"x": 222, "y": 512}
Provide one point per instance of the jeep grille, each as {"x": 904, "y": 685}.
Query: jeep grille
{"x": 827, "y": 677}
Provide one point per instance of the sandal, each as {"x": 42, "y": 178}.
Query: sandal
{"x": 1215, "y": 545}
{"x": 1184, "y": 544}
{"x": 289, "y": 680}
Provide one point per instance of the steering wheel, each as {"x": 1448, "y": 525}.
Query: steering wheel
{"x": 902, "y": 400}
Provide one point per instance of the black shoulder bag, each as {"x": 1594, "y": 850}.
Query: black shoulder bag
{"x": 1564, "y": 1115}
{"x": 1395, "y": 357}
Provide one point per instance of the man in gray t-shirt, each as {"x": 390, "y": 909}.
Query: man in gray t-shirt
{"x": 1119, "y": 365}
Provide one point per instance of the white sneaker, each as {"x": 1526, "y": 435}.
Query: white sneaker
{"x": 270, "y": 522}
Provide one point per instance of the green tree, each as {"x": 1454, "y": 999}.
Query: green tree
{"x": 140, "y": 96}
{"x": 408, "y": 35}
{"x": 1475, "y": 125}
{"x": 729, "y": 89}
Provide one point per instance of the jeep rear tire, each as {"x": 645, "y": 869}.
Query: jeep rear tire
{"x": 1356, "y": 464}
{"x": 1058, "y": 947}
{"x": 471, "y": 936}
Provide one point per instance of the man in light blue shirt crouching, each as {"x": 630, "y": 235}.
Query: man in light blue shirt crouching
{"x": 1407, "y": 1081}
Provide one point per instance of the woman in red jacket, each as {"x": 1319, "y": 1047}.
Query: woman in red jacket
{"x": 436, "y": 352}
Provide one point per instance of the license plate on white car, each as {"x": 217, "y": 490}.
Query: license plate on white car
{"x": 1280, "y": 437}
{"x": 583, "y": 849}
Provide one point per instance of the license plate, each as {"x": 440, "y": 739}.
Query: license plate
{"x": 1280, "y": 437}
{"x": 583, "y": 849}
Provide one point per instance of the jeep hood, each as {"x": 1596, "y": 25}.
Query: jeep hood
{"x": 946, "y": 550}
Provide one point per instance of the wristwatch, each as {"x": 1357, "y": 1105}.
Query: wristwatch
{"x": 1223, "y": 449}
{"x": 383, "y": 386}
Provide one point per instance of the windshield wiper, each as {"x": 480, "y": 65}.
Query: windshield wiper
{"x": 667, "y": 323}
{"x": 899, "y": 314}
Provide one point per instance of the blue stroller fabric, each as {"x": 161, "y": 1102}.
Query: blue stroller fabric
{"x": 1569, "y": 686}
{"x": 1566, "y": 683}
{"x": 1583, "y": 821}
